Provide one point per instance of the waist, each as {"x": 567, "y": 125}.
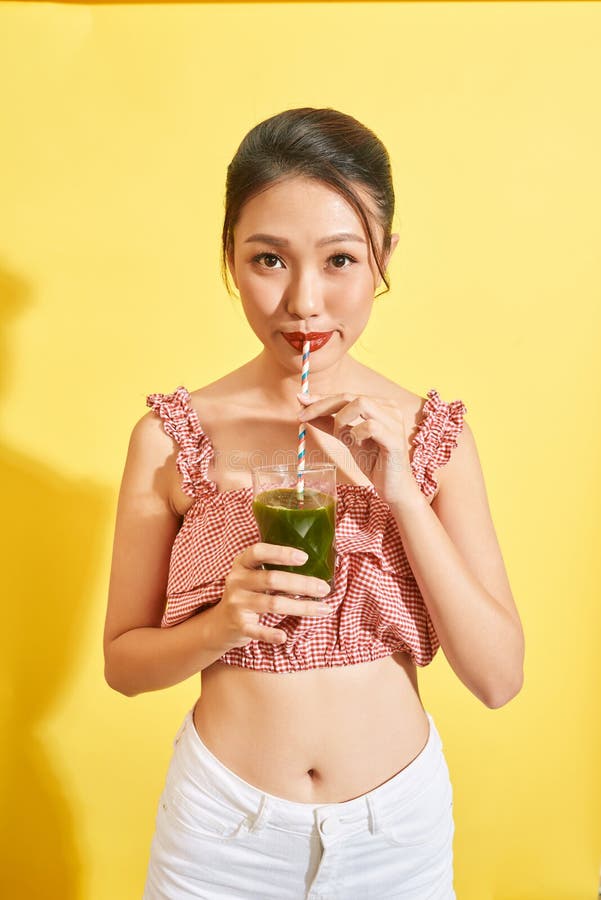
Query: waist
{"x": 322, "y": 735}
{"x": 209, "y": 774}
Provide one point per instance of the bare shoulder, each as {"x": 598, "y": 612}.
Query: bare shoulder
{"x": 409, "y": 403}
{"x": 149, "y": 440}
{"x": 231, "y": 389}
{"x": 464, "y": 462}
{"x": 151, "y": 465}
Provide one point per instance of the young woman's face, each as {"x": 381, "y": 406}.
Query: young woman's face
{"x": 303, "y": 264}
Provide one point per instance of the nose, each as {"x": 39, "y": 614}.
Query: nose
{"x": 304, "y": 297}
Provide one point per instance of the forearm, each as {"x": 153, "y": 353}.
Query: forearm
{"x": 149, "y": 659}
{"x": 482, "y": 641}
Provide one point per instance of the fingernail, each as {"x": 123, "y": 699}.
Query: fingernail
{"x": 322, "y": 609}
{"x": 300, "y": 556}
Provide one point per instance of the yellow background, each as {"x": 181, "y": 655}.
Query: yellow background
{"x": 118, "y": 123}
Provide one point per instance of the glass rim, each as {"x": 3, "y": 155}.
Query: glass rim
{"x": 286, "y": 468}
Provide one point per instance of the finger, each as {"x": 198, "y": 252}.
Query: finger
{"x": 326, "y": 424}
{"x": 325, "y": 406}
{"x": 360, "y": 409}
{"x": 357, "y": 409}
{"x": 278, "y": 582}
{"x": 341, "y": 424}
{"x": 308, "y": 398}
{"x": 280, "y": 605}
{"x": 257, "y": 554}
{"x": 382, "y": 436}
{"x": 325, "y": 414}
{"x": 368, "y": 429}
{"x": 268, "y": 635}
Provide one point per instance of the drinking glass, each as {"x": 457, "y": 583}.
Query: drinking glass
{"x": 307, "y": 522}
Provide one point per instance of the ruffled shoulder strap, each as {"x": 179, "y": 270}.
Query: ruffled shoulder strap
{"x": 435, "y": 439}
{"x": 180, "y": 422}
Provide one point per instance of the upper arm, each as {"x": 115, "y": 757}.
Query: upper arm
{"x": 146, "y": 526}
{"x": 462, "y": 506}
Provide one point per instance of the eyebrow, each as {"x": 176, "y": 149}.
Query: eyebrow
{"x": 282, "y": 242}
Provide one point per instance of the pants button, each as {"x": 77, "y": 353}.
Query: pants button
{"x": 329, "y": 825}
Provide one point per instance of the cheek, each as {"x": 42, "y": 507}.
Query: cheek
{"x": 259, "y": 289}
{"x": 361, "y": 317}
{"x": 349, "y": 299}
{"x": 358, "y": 288}
{"x": 354, "y": 304}
{"x": 257, "y": 304}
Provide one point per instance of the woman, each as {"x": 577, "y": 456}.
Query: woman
{"x": 308, "y": 768}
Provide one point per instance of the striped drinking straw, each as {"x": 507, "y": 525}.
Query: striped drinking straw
{"x": 300, "y": 470}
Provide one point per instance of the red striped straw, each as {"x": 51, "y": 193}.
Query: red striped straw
{"x": 300, "y": 470}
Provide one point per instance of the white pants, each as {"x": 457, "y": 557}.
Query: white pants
{"x": 219, "y": 838}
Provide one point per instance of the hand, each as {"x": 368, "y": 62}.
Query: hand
{"x": 374, "y": 431}
{"x": 251, "y": 591}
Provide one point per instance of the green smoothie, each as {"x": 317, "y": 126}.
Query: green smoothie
{"x": 308, "y": 525}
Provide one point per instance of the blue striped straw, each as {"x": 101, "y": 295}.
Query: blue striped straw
{"x": 300, "y": 467}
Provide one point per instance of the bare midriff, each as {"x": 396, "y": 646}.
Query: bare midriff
{"x": 319, "y": 736}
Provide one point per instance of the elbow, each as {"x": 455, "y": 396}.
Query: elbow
{"x": 500, "y": 698}
{"x": 114, "y": 682}
{"x": 508, "y": 684}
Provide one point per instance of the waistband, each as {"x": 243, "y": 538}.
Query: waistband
{"x": 209, "y": 774}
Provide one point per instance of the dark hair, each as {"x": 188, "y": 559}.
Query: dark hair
{"x": 324, "y": 144}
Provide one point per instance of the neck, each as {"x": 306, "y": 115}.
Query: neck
{"x": 281, "y": 386}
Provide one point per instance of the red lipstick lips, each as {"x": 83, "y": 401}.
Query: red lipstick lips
{"x": 317, "y": 338}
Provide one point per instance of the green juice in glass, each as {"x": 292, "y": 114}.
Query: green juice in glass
{"x": 308, "y": 524}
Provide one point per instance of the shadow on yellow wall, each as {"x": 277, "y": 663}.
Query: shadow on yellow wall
{"x": 50, "y": 541}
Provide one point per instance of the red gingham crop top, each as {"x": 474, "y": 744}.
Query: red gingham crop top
{"x": 378, "y": 608}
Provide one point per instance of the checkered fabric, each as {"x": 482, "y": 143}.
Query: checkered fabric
{"x": 378, "y": 608}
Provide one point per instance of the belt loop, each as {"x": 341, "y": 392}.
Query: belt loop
{"x": 181, "y": 729}
{"x": 374, "y": 823}
{"x": 261, "y": 817}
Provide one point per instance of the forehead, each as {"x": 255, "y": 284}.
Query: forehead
{"x": 302, "y": 204}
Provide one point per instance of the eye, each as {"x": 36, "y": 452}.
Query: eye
{"x": 266, "y": 256}
{"x": 335, "y": 259}
{"x": 343, "y": 256}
